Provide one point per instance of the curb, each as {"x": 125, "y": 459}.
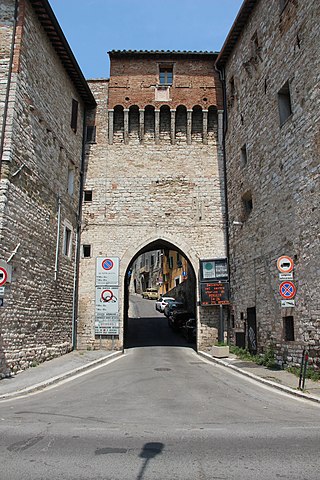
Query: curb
{"x": 58, "y": 378}
{"x": 290, "y": 391}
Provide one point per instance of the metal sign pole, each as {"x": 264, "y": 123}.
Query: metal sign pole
{"x": 221, "y": 325}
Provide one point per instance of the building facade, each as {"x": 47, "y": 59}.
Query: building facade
{"x": 43, "y": 99}
{"x": 270, "y": 66}
{"x": 154, "y": 174}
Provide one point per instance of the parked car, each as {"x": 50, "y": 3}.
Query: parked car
{"x": 162, "y": 302}
{"x": 178, "y": 318}
{"x": 168, "y": 309}
{"x": 150, "y": 294}
{"x": 189, "y": 330}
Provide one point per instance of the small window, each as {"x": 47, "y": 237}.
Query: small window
{"x": 170, "y": 261}
{"x": 74, "y": 115}
{"x": 247, "y": 204}
{"x": 177, "y": 281}
{"x": 232, "y": 92}
{"x": 67, "y": 241}
{"x": 166, "y": 75}
{"x": 70, "y": 180}
{"x": 284, "y": 103}
{"x": 90, "y": 134}
{"x": 86, "y": 251}
{"x": 243, "y": 155}
{"x": 288, "y": 328}
{"x": 87, "y": 195}
{"x": 283, "y": 4}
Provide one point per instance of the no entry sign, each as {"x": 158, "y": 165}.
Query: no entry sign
{"x": 3, "y": 276}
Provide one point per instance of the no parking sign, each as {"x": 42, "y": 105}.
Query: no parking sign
{"x": 107, "y": 271}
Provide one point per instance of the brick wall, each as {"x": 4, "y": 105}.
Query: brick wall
{"x": 281, "y": 172}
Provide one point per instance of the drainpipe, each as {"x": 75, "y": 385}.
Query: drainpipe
{"x": 225, "y": 128}
{"x": 75, "y": 298}
{"x": 6, "y": 101}
{"x": 56, "y": 265}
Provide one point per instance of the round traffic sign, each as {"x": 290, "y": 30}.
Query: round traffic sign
{"x": 285, "y": 264}
{"x": 106, "y": 295}
{"x": 107, "y": 264}
{"x": 287, "y": 290}
{"x": 3, "y": 276}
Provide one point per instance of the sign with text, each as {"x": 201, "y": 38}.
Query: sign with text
{"x": 214, "y": 293}
{"x": 215, "y": 269}
{"x": 107, "y": 271}
{"x": 107, "y": 311}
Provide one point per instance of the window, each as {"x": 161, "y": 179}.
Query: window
{"x": 243, "y": 155}
{"x": 170, "y": 262}
{"x": 166, "y": 75}
{"x": 87, "y": 195}
{"x": 177, "y": 281}
{"x": 67, "y": 241}
{"x": 90, "y": 134}
{"x": 74, "y": 115}
{"x": 288, "y": 328}
{"x": 86, "y": 251}
{"x": 232, "y": 92}
{"x": 70, "y": 180}
{"x": 247, "y": 204}
{"x": 284, "y": 103}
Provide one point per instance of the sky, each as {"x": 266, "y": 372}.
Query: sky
{"x": 94, "y": 27}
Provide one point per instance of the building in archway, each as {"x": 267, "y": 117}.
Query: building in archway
{"x": 154, "y": 174}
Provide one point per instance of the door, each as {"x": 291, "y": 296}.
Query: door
{"x": 252, "y": 330}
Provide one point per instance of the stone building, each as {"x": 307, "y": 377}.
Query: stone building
{"x": 154, "y": 176}
{"x": 270, "y": 65}
{"x": 43, "y": 97}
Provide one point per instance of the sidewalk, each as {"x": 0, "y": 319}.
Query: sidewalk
{"x": 53, "y": 371}
{"x": 279, "y": 379}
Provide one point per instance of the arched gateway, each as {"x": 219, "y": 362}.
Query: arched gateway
{"x": 154, "y": 176}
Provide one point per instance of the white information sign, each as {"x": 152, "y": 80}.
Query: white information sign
{"x": 107, "y": 311}
{"x": 287, "y": 303}
{"x": 107, "y": 271}
{"x": 286, "y": 276}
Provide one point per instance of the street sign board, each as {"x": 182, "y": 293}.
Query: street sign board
{"x": 286, "y": 276}
{"x": 107, "y": 311}
{"x": 2, "y": 291}
{"x": 287, "y": 290}
{"x": 287, "y": 303}
{"x": 107, "y": 271}
{"x": 214, "y": 270}
{"x": 285, "y": 264}
{"x": 214, "y": 293}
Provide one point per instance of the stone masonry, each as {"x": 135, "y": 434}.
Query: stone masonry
{"x": 155, "y": 173}
{"x": 273, "y": 171}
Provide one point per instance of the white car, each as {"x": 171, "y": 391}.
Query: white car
{"x": 162, "y": 302}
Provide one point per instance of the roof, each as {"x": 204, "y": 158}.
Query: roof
{"x": 56, "y": 36}
{"x": 236, "y": 30}
{"x": 169, "y": 53}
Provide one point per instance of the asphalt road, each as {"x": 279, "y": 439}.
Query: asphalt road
{"x": 159, "y": 413}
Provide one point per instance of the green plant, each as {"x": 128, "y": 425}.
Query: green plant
{"x": 311, "y": 373}
{"x": 267, "y": 359}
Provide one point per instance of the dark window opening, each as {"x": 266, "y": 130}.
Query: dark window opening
{"x": 90, "y": 134}
{"x": 243, "y": 155}
{"x": 170, "y": 262}
{"x": 288, "y": 328}
{"x": 86, "y": 251}
{"x": 232, "y": 92}
{"x": 67, "y": 242}
{"x": 74, "y": 115}
{"x": 87, "y": 195}
{"x": 283, "y": 4}
{"x": 166, "y": 75}
{"x": 284, "y": 103}
{"x": 247, "y": 204}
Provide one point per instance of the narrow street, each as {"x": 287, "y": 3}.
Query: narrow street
{"x": 159, "y": 413}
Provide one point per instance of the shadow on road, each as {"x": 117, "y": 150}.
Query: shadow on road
{"x": 150, "y": 450}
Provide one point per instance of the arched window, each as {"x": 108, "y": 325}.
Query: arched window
{"x": 118, "y": 124}
{"x": 181, "y": 124}
{"x": 149, "y": 122}
{"x": 134, "y": 124}
{"x": 197, "y": 124}
{"x": 165, "y": 122}
{"x": 212, "y": 124}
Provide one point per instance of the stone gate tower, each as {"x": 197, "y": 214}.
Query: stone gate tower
{"x": 154, "y": 174}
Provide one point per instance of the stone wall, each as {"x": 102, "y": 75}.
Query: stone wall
{"x": 143, "y": 193}
{"x": 40, "y": 151}
{"x": 280, "y": 174}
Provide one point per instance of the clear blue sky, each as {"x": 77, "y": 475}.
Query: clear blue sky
{"x": 93, "y": 27}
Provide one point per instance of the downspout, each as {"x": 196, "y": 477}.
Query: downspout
{"x": 56, "y": 264}
{"x": 6, "y": 101}
{"x": 75, "y": 298}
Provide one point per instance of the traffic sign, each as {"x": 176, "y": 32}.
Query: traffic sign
{"x": 287, "y": 303}
{"x": 286, "y": 276}
{"x": 287, "y": 290}
{"x": 107, "y": 271}
{"x": 107, "y": 264}
{"x": 3, "y": 276}
{"x": 285, "y": 264}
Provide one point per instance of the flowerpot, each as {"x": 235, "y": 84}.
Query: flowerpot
{"x": 220, "y": 351}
